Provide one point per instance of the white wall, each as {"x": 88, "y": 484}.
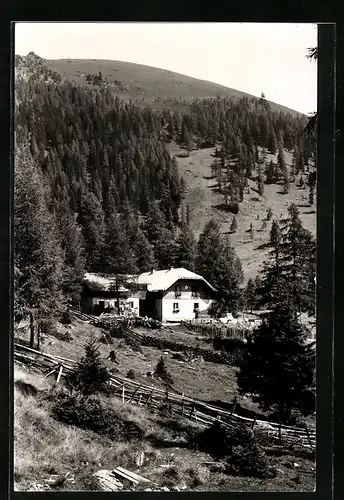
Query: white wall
{"x": 90, "y": 302}
{"x": 186, "y": 300}
{"x": 186, "y": 307}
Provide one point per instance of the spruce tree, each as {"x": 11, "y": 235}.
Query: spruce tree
{"x": 218, "y": 263}
{"x": 250, "y": 294}
{"x": 90, "y": 375}
{"x": 185, "y": 248}
{"x": 91, "y": 219}
{"x": 234, "y": 225}
{"x": 271, "y": 173}
{"x": 290, "y": 273}
{"x": 38, "y": 256}
{"x": 277, "y": 368}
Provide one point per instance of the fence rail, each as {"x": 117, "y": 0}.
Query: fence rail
{"x": 154, "y": 398}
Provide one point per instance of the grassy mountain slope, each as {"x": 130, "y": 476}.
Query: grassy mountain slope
{"x": 205, "y": 202}
{"x": 145, "y": 84}
{"x": 50, "y": 455}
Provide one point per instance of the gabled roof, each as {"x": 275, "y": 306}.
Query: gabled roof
{"x": 157, "y": 281}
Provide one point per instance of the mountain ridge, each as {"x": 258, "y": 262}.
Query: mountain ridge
{"x": 146, "y": 84}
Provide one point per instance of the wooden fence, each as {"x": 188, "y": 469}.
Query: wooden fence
{"x": 215, "y": 330}
{"x": 203, "y": 414}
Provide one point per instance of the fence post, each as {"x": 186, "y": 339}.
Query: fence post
{"x": 308, "y": 435}
{"x": 192, "y": 410}
{"x": 254, "y": 422}
{"x": 123, "y": 391}
{"x": 133, "y": 395}
{"x": 232, "y": 410}
{"x": 150, "y": 395}
{"x": 183, "y": 404}
{"x": 59, "y": 374}
{"x": 279, "y": 430}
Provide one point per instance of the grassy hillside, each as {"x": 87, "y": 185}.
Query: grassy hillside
{"x": 50, "y": 455}
{"x": 205, "y": 202}
{"x": 145, "y": 84}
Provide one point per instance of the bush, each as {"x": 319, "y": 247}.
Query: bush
{"x": 48, "y": 327}
{"x": 65, "y": 317}
{"x": 131, "y": 374}
{"x": 238, "y": 447}
{"x": 90, "y": 375}
{"x": 117, "y": 331}
{"x": 90, "y": 412}
{"x": 65, "y": 336}
{"x": 106, "y": 337}
{"x": 249, "y": 460}
{"x": 162, "y": 372}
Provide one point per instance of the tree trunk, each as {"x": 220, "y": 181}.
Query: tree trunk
{"x": 117, "y": 293}
{"x": 38, "y": 336}
{"x": 32, "y": 331}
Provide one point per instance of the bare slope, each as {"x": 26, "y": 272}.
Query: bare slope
{"x": 145, "y": 83}
{"x": 204, "y": 202}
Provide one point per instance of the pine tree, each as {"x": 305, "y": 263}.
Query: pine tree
{"x": 275, "y": 237}
{"x": 185, "y": 249}
{"x": 290, "y": 274}
{"x": 91, "y": 219}
{"x": 250, "y": 295}
{"x": 38, "y": 257}
{"x": 72, "y": 245}
{"x": 271, "y": 173}
{"x": 160, "y": 236}
{"x": 218, "y": 263}
{"x": 118, "y": 254}
{"x": 286, "y": 183}
{"x": 260, "y": 184}
{"x": 277, "y": 368}
{"x": 234, "y": 225}
{"x": 281, "y": 165}
{"x": 90, "y": 375}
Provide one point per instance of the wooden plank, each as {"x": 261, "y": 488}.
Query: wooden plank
{"x": 122, "y": 474}
{"x": 133, "y": 475}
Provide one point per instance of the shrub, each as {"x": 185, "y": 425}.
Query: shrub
{"x": 90, "y": 412}
{"x": 162, "y": 372}
{"x": 90, "y": 375}
{"x": 106, "y": 337}
{"x": 238, "y": 447}
{"x": 131, "y": 374}
{"x": 249, "y": 460}
{"x": 65, "y": 336}
{"x": 65, "y": 317}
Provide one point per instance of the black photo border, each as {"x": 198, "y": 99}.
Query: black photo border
{"x": 328, "y": 99}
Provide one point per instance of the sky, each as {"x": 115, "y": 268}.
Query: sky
{"x": 253, "y": 58}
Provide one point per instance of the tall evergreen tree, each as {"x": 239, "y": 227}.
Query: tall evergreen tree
{"x": 185, "y": 248}
{"x": 277, "y": 369}
{"x": 91, "y": 218}
{"x": 250, "y": 294}
{"x": 218, "y": 263}
{"x": 38, "y": 256}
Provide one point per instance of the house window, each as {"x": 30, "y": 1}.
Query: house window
{"x": 194, "y": 293}
{"x": 131, "y": 305}
{"x": 196, "y": 306}
{"x": 175, "y": 307}
{"x": 177, "y": 291}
